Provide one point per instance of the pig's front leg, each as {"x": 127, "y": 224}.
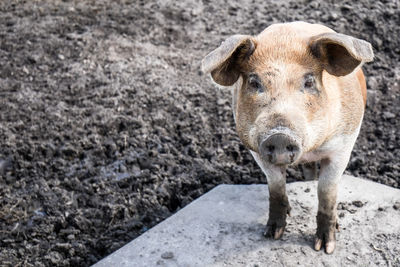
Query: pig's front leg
{"x": 279, "y": 206}
{"x": 330, "y": 175}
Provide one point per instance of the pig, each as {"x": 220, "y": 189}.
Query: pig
{"x": 298, "y": 97}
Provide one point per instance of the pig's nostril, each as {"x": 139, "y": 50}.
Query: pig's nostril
{"x": 279, "y": 149}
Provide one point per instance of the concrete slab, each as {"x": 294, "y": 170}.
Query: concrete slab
{"x": 224, "y": 228}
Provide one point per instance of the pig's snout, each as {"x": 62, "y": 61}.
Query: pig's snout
{"x": 279, "y": 149}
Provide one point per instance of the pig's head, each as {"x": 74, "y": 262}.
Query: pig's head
{"x": 280, "y": 100}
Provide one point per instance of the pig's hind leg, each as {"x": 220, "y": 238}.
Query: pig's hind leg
{"x": 310, "y": 171}
{"x": 279, "y": 206}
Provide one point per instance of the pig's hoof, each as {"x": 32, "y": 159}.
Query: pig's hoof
{"x": 325, "y": 236}
{"x": 276, "y": 226}
{"x": 328, "y": 244}
{"x": 272, "y": 231}
{"x": 279, "y": 208}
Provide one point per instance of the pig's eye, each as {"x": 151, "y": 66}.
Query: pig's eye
{"x": 255, "y": 84}
{"x": 309, "y": 81}
{"x": 309, "y": 84}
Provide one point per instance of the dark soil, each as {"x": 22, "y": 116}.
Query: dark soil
{"x": 107, "y": 125}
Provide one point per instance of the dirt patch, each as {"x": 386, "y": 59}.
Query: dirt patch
{"x": 108, "y": 126}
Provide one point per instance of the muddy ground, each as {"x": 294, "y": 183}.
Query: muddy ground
{"x": 107, "y": 125}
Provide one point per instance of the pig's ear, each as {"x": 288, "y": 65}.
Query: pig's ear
{"x": 340, "y": 54}
{"x": 224, "y": 63}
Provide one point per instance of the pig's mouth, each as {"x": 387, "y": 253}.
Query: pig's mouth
{"x": 279, "y": 147}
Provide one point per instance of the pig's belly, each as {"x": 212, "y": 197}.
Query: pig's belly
{"x": 313, "y": 156}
